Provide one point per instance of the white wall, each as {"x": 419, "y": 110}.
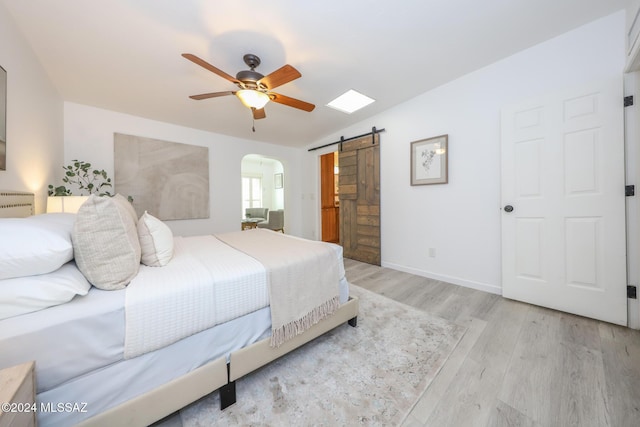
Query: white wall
{"x": 34, "y": 117}
{"x": 88, "y": 136}
{"x": 461, "y": 219}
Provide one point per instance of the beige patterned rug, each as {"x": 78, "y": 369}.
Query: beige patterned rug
{"x": 370, "y": 375}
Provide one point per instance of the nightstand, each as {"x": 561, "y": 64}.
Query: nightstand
{"x": 18, "y": 386}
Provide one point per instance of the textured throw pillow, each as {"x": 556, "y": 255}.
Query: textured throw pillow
{"x": 105, "y": 242}
{"x": 23, "y": 295}
{"x": 35, "y": 245}
{"x": 156, "y": 241}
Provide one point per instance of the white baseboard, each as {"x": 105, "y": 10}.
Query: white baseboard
{"x": 485, "y": 287}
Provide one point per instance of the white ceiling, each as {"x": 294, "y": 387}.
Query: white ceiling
{"x": 124, "y": 55}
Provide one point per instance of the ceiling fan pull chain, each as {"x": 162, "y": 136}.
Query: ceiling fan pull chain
{"x": 253, "y": 125}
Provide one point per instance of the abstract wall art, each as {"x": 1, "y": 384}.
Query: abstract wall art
{"x": 169, "y": 180}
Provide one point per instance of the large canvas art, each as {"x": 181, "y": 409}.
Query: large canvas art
{"x": 167, "y": 179}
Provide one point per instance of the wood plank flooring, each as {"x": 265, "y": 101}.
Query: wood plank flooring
{"x": 518, "y": 364}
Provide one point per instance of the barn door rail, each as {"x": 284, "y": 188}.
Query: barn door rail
{"x": 342, "y": 139}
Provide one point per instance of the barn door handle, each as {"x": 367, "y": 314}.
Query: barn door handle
{"x": 508, "y": 208}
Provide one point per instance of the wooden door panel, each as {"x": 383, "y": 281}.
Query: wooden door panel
{"x": 360, "y": 199}
{"x": 347, "y": 179}
{"x": 369, "y": 210}
{"x": 348, "y": 192}
{"x": 348, "y": 159}
{"x": 326, "y": 181}
{"x": 329, "y": 211}
{"x": 365, "y": 230}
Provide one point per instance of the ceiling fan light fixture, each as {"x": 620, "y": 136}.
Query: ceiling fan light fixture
{"x": 253, "y": 98}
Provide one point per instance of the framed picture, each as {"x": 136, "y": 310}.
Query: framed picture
{"x": 429, "y": 159}
{"x": 3, "y": 119}
{"x": 278, "y": 180}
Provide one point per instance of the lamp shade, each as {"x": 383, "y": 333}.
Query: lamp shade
{"x": 67, "y": 204}
{"x": 253, "y": 98}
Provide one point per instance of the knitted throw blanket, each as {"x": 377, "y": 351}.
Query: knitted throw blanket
{"x": 302, "y": 276}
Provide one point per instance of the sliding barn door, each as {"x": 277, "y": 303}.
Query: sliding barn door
{"x": 359, "y": 192}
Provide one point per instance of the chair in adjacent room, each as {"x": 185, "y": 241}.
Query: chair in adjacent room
{"x": 256, "y": 213}
{"x": 275, "y": 221}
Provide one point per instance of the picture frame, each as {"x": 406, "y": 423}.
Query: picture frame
{"x": 429, "y": 160}
{"x": 3, "y": 119}
{"x": 278, "y": 180}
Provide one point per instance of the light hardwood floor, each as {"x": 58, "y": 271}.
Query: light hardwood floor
{"x": 518, "y": 364}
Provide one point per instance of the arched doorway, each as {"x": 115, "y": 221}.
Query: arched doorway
{"x": 262, "y": 183}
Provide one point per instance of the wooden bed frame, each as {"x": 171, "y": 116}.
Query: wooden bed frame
{"x": 215, "y": 375}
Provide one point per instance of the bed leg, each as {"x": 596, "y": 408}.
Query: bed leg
{"x": 353, "y": 322}
{"x": 227, "y": 395}
{"x": 228, "y": 391}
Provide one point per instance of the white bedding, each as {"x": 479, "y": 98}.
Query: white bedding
{"x": 206, "y": 283}
{"x": 80, "y": 345}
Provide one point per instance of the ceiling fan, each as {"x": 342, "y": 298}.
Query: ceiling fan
{"x": 255, "y": 88}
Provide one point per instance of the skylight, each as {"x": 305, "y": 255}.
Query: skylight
{"x": 350, "y": 101}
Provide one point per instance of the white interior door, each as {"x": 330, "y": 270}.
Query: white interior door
{"x": 563, "y": 243}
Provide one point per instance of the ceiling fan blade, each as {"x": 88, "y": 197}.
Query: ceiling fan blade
{"x": 258, "y": 113}
{"x": 291, "y": 102}
{"x": 211, "y": 95}
{"x": 282, "y": 75}
{"x": 205, "y": 64}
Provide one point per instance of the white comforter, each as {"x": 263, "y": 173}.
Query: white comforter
{"x": 206, "y": 283}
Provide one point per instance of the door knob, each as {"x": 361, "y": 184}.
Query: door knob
{"x": 508, "y": 208}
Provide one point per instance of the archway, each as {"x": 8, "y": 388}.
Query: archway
{"x": 262, "y": 183}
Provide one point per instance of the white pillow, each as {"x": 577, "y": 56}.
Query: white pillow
{"x": 156, "y": 241}
{"x": 23, "y": 295}
{"x": 105, "y": 242}
{"x": 35, "y": 245}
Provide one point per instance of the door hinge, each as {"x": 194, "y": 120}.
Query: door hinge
{"x": 628, "y": 101}
{"x": 632, "y": 292}
{"x": 629, "y": 190}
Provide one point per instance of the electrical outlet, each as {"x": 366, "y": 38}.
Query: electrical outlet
{"x": 432, "y": 252}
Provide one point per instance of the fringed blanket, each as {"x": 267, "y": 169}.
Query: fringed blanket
{"x": 302, "y": 276}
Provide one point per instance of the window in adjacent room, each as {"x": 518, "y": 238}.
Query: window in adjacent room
{"x": 251, "y": 192}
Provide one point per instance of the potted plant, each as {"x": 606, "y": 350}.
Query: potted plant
{"x": 84, "y": 178}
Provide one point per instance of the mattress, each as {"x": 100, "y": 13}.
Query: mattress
{"x": 67, "y": 340}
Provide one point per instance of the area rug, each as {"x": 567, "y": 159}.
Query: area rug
{"x": 369, "y": 375}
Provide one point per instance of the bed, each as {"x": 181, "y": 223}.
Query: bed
{"x": 89, "y": 352}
